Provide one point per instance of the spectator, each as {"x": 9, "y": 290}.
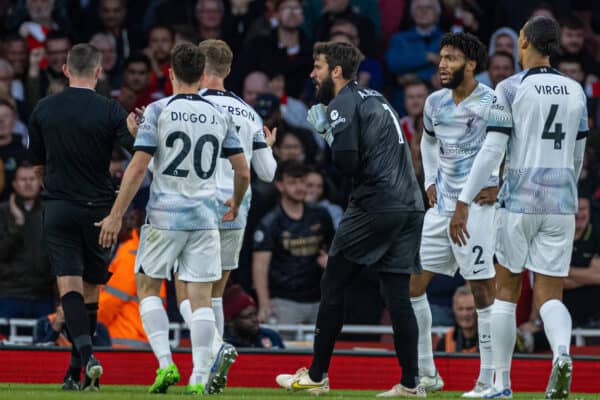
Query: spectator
{"x": 290, "y": 246}
{"x": 501, "y": 65}
{"x": 161, "y": 40}
{"x": 112, "y": 15}
{"x": 12, "y": 151}
{"x": 440, "y": 292}
{"x": 135, "y": 91}
{"x": 316, "y": 194}
{"x": 572, "y": 41}
{"x": 241, "y": 322}
{"x": 422, "y": 43}
{"x": 51, "y": 331}
{"x": 572, "y": 67}
{"x": 111, "y": 74}
{"x": 341, "y": 9}
{"x": 209, "y": 19}
{"x": 26, "y": 285}
{"x": 268, "y": 107}
{"x": 293, "y": 111}
{"x": 40, "y": 23}
{"x": 462, "y": 337}
{"x": 583, "y": 282}
{"x": 118, "y": 306}
{"x": 286, "y": 50}
{"x": 415, "y": 93}
{"x": 502, "y": 40}
{"x": 255, "y": 83}
{"x": 289, "y": 145}
{"x": 370, "y": 73}
{"x": 42, "y": 82}
{"x": 15, "y": 51}
{"x": 6, "y": 82}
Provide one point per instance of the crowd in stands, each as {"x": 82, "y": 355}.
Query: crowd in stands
{"x": 293, "y": 219}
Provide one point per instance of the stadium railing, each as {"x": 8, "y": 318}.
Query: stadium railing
{"x": 302, "y": 332}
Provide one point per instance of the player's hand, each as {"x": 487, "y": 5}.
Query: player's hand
{"x": 232, "y": 213}
{"x": 109, "y": 231}
{"x": 15, "y": 211}
{"x": 458, "y": 224}
{"x": 134, "y": 119}
{"x": 322, "y": 258}
{"x": 270, "y": 135}
{"x": 487, "y": 196}
{"x": 317, "y": 118}
{"x": 432, "y": 195}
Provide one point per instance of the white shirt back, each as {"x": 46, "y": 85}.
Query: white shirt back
{"x": 545, "y": 113}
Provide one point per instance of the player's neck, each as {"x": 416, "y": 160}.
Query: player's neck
{"x": 213, "y": 82}
{"x": 339, "y": 85}
{"x": 293, "y": 209}
{"x": 182, "y": 88}
{"x": 464, "y": 90}
{"x": 82, "y": 83}
{"x": 536, "y": 61}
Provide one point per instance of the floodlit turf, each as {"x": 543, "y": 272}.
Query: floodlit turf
{"x": 114, "y": 392}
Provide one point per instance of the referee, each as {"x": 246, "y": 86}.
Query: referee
{"x": 381, "y": 227}
{"x": 72, "y": 135}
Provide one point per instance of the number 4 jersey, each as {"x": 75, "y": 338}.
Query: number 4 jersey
{"x": 544, "y": 113}
{"x": 186, "y": 134}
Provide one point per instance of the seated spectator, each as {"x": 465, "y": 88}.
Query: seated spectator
{"x": 572, "y": 67}
{"x": 415, "y": 94}
{"x": 51, "y": 330}
{"x": 26, "y": 285}
{"x": 161, "y": 40}
{"x": 502, "y": 40}
{"x": 39, "y": 23}
{"x": 572, "y": 43}
{"x": 293, "y": 111}
{"x": 316, "y": 193}
{"x": 209, "y": 20}
{"x": 46, "y": 77}
{"x": 241, "y": 322}
{"x": 501, "y": 65}
{"x": 7, "y": 84}
{"x": 111, "y": 73}
{"x": 290, "y": 252}
{"x": 255, "y": 83}
{"x": 583, "y": 282}
{"x": 422, "y": 43}
{"x": 12, "y": 151}
{"x": 15, "y": 51}
{"x": 462, "y": 337}
{"x": 135, "y": 90}
{"x": 118, "y": 305}
{"x": 440, "y": 292}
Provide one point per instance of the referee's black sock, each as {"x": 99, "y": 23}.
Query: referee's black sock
{"x": 78, "y": 324}
{"x": 92, "y": 312}
{"x": 75, "y": 362}
{"x": 395, "y": 292}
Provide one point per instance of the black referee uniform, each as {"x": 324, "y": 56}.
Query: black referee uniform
{"x": 72, "y": 134}
{"x": 381, "y": 227}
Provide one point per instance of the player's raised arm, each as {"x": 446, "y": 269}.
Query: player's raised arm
{"x": 263, "y": 162}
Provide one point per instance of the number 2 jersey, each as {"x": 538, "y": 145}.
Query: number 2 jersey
{"x": 187, "y": 135}
{"x": 544, "y": 113}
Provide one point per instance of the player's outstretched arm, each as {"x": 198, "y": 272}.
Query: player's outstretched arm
{"x": 241, "y": 180}
{"x": 263, "y": 162}
{"x": 132, "y": 179}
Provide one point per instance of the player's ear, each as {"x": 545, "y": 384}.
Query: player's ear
{"x": 171, "y": 75}
{"x": 65, "y": 71}
{"x": 471, "y": 65}
{"x": 337, "y": 72}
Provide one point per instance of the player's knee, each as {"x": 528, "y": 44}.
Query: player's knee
{"x": 417, "y": 286}
{"x": 483, "y": 292}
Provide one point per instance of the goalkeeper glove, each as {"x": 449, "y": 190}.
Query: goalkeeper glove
{"x": 317, "y": 118}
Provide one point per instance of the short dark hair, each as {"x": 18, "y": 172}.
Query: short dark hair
{"x": 470, "y": 46}
{"x": 501, "y": 53}
{"x": 572, "y": 22}
{"x": 8, "y": 103}
{"x": 83, "y": 59}
{"x": 165, "y": 27}
{"x": 217, "y": 56}
{"x": 137, "y": 58}
{"x": 544, "y": 34}
{"x": 415, "y": 82}
{"x": 187, "y": 62}
{"x": 345, "y": 55}
{"x": 569, "y": 58}
{"x": 291, "y": 168}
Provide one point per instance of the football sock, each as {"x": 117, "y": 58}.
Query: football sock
{"x": 395, "y": 289}
{"x": 422, "y": 312}
{"x": 202, "y": 333}
{"x": 185, "y": 309}
{"x": 92, "y": 311}
{"x": 504, "y": 326}
{"x": 217, "y": 306}
{"x": 557, "y": 325}
{"x": 484, "y": 327}
{"x": 156, "y": 324}
{"x": 78, "y": 324}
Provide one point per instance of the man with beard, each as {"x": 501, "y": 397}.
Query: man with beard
{"x": 161, "y": 40}
{"x": 381, "y": 226}
{"x": 454, "y": 121}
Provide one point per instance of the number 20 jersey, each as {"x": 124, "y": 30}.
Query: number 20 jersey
{"x": 186, "y": 134}
{"x": 544, "y": 113}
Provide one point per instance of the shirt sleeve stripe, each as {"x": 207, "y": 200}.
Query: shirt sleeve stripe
{"x": 146, "y": 149}
{"x": 228, "y": 152}
{"x": 430, "y": 133}
{"x": 582, "y": 134}
{"x": 259, "y": 145}
{"x": 501, "y": 129}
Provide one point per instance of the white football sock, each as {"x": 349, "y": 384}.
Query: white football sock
{"x": 156, "y": 324}
{"x": 504, "y": 326}
{"x": 185, "y": 309}
{"x": 423, "y": 314}
{"x": 484, "y": 328}
{"x": 217, "y": 306}
{"x": 202, "y": 332}
{"x": 557, "y": 325}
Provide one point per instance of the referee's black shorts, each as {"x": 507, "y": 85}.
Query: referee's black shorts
{"x": 388, "y": 241}
{"x": 72, "y": 240}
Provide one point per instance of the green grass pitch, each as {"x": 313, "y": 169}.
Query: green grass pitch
{"x": 116, "y": 392}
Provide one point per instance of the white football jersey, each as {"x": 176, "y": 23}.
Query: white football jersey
{"x": 460, "y": 130}
{"x": 187, "y": 135}
{"x": 544, "y": 113}
{"x": 250, "y": 131}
